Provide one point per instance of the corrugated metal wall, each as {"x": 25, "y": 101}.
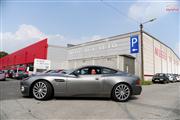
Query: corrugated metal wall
{"x": 158, "y": 58}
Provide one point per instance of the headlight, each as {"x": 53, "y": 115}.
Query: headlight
{"x": 22, "y": 88}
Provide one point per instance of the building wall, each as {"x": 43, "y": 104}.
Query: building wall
{"x": 148, "y": 51}
{"x": 158, "y": 58}
{"x": 117, "y": 45}
{"x": 106, "y": 52}
{"x": 108, "y": 61}
{"x": 58, "y": 56}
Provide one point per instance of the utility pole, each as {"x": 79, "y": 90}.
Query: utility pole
{"x": 142, "y": 57}
{"x": 142, "y": 54}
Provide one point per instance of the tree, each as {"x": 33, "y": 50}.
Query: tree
{"x": 2, "y": 54}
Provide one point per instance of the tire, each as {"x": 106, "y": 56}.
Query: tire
{"x": 2, "y": 79}
{"x": 121, "y": 92}
{"x": 163, "y": 82}
{"x": 167, "y": 81}
{"x": 153, "y": 81}
{"x": 42, "y": 90}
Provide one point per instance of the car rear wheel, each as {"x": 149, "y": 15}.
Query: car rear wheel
{"x": 42, "y": 90}
{"x": 153, "y": 81}
{"x": 121, "y": 92}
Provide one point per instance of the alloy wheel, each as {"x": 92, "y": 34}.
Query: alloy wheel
{"x": 39, "y": 90}
{"x": 122, "y": 92}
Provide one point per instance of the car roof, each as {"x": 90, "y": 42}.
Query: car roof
{"x": 96, "y": 66}
{"x": 92, "y": 66}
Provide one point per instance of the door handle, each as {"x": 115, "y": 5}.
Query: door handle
{"x": 59, "y": 80}
{"x": 96, "y": 78}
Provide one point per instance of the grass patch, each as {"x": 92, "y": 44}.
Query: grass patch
{"x": 146, "y": 82}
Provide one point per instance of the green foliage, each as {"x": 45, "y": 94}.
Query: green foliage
{"x": 146, "y": 82}
{"x": 2, "y": 54}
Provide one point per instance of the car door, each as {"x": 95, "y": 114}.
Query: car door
{"x": 85, "y": 83}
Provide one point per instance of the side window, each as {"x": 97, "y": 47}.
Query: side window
{"x": 83, "y": 71}
{"x": 108, "y": 71}
{"x": 88, "y": 71}
{"x": 95, "y": 70}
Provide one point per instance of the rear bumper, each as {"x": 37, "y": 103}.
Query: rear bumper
{"x": 159, "y": 80}
{"x": 136, "y": 90}
{"x": 2, "y": 78}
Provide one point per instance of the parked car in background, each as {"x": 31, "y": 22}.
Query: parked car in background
{"x": 2, "y": 75}
{"x": 160, "y": 78}
{"x": 9, "y": 73}
{"x": 88, "y": 81}
{"x": 176, "y": 77}
{"x": 20, "y": 74}
{"x": 171, "y": 77}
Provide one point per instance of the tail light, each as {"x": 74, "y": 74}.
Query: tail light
{"x": 138, "y": 82}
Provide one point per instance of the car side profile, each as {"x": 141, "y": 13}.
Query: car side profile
{"x": 87, "y": 81}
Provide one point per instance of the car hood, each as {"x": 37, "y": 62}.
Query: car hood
{"x": 49, "y": 74}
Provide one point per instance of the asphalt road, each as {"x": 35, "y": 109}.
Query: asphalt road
{"x": 158, "y": 101}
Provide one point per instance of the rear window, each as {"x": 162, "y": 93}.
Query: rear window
{"x": 108, "y": 71}
{"x": 160, "y": 74}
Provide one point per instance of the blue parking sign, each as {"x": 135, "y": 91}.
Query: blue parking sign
{"x": 134, "y": 44}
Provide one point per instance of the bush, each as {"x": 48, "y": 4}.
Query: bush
{"x": 146, "y": 82}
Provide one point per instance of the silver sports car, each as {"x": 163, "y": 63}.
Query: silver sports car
{"x": 87, "y": 81}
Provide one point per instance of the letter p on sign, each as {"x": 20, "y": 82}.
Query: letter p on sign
{"x": 134, "y": 44}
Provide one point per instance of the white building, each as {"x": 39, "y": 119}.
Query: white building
{"x": 115, "y": 52}
{"x": 122, "y": 52}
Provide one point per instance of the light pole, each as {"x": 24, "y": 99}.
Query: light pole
{"x": 142, "y": 57}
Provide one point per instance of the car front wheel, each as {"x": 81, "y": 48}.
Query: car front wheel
{"x": 121, "y": 92}
{"x": 42, "y": 90}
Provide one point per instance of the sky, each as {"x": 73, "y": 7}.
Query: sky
{"x": 24, "y": 22}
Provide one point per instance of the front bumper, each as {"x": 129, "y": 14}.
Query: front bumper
{"x": 25, "y": 89}
{"x": 136, "y": 90}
